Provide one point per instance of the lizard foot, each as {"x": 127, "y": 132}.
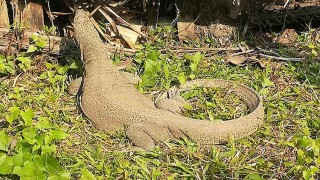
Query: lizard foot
{"x": 146, "y": 135}
{"x": 171, "y": 101}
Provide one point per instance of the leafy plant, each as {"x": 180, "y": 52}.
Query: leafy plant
{"x": 28, "y": 144}
{"x": 213, "y": 104}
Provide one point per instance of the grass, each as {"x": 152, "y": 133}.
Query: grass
{"x": 213, "y": 104}
{"x": 67, "y": 145}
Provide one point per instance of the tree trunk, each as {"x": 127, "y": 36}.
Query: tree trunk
{"x": 4, "y": 16}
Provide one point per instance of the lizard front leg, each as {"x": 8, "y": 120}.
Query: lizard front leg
{"x": 75, "y": 85}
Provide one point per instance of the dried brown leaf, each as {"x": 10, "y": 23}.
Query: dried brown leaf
{"x": 237, "y": 60}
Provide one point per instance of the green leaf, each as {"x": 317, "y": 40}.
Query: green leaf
{"x": 47, "y": 149}
{"x": 182, "y": 78}
{"x": 194, "y": 67}
{"x": 34, "y": 37}
{"x": 49, "y": 65}
{"x": 43, "y": 75}
{"x": 189, "y": 57}
{"x": 150, "y": 67}
{"x": 14, "y": 114}
{"x": 62, "y": 69}
{"x": 63, "y": 176}
{"x": 148, "y": 81}
{"x": 192, "y": 76}
{"x": 86, "y": 175}
{"x": 6, "y": 164}
{"x": 41, "y": 43}
{"x": 197, "y": 57}
{"x": 266, "y": 81}
{"x": 36, "y": 147}
{"x": 306, "y": 174}
{"x": 29, "y": 135}
{"x": 18, "y": 159}
{"x": 32, "y": 48}
{"x": 43, "y": 123}
{"x": 187, "y": 107}
{"x": 58, "y": 134}
{"x": 154, "y": 55}
{"x": 27, "y": 116}
{"x": 166, "y": 71}
{"x": 253, "y": 176}
{"x": 304, "y": 142}
{"x": 73, "y": 66}
{"x": 29, "y": 171}
{"x": 53, "y": 166}
{"x": 4, "y": 140}
{"x": 138, "y": 60}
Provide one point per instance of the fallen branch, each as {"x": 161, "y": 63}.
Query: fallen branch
{"x": 282, "y": 58}
{"x": 54, "y": 45}
{"x": 193, "y": 49}
{"x": 124, "y": 22}
{"x": 96, "y": 25}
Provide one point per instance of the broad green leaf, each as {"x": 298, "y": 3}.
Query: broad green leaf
{"x": 14, "y": 114}
{"x": 73, "y": 66}
{"x": 166, "y": 71}
{"x": 62, "y": 69}
{"x": 41, "y": 43}
{"x": 182, "y": 78}
{"x": 43, "y": 123}
{"x": 266, "y": 81}
{"x": 253, "y": 176}
{"x": 29, "y": 170}
{"x": 29, "y": 135}
{"x": 47, "y": 149}
{"x": 49, "y": 65}
{"x": 138, "y": 60}
{"x": 86, "y": 175}
{"x": 197, "y": 57}
{"x": 6, "y": 164}
{"x": 4, "y": 140}
{"x": 36, "y": 147}
{"x": 306, "y": 174}
{"x": 150, "y": 67}
{"x": 189, "y": 57}
{"x": 34, "y": 37}
{"x": 58, "y": 134}
{"x": 63, "y": 176}
{"x": 148, "y": 81}
{"x": 18, "y": 159}
{"x": 40, "y": 139}
{"x": 304, "y": 142}
{"x": 311, "y": 46}
{"x": 43, "y": 75}
{"x": 27, "y": 116}
{"x": 32, "y": 48}
{"x": 194, "y": 67}
{"x": 50, "y": 164}
{"x": 154, "y": 55}
{"x": 187, "y": 106}
{"x": 10, "y": 69}
{"x": 192, "y": 76}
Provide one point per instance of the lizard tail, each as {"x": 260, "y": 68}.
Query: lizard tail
{"x": 208, "y": 132}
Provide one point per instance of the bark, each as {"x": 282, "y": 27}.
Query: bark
{"x": 4, "y": 16}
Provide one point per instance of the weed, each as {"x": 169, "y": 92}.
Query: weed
{"x": 38, "y": 139}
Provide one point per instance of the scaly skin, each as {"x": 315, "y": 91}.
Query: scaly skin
{"x": 113, "y": 104}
